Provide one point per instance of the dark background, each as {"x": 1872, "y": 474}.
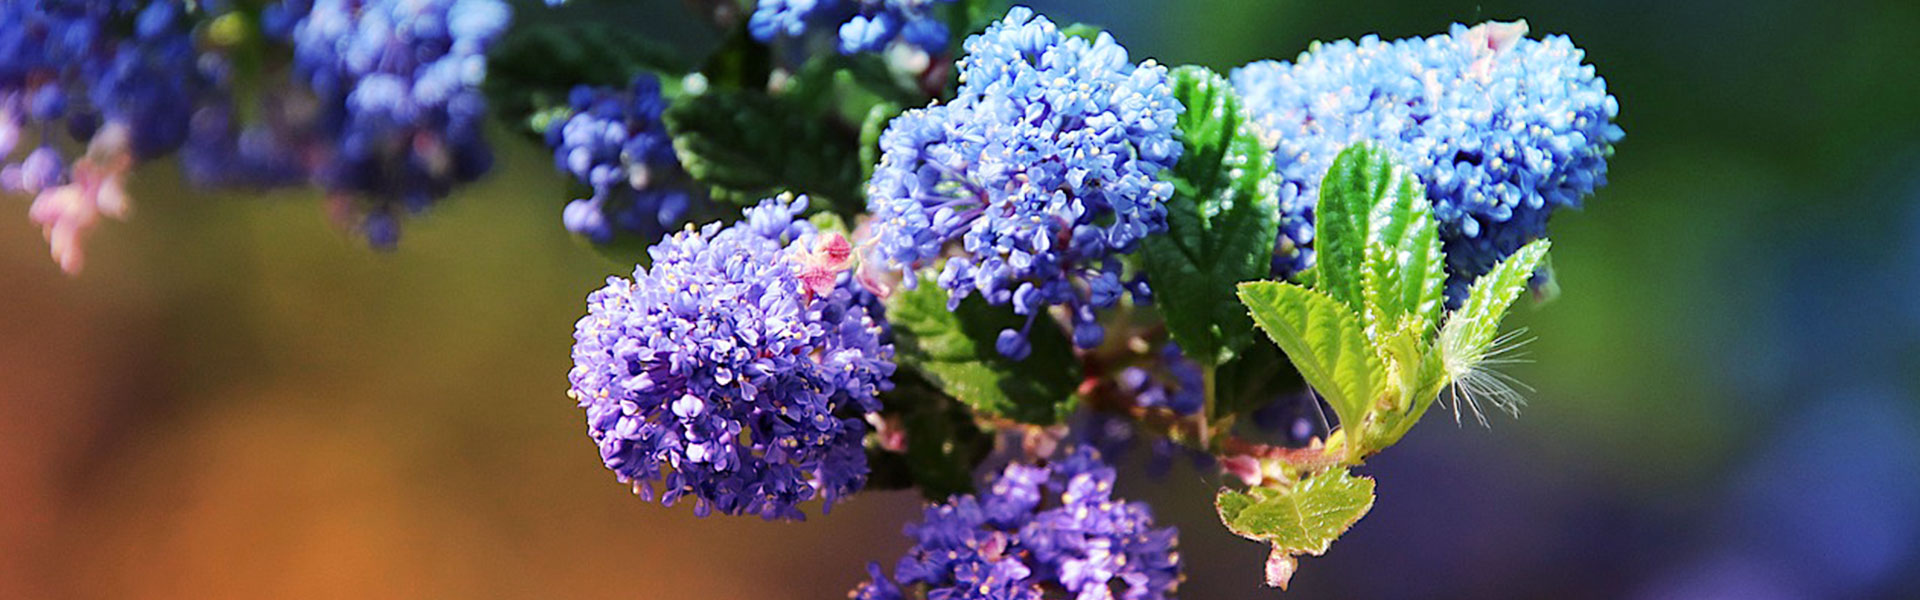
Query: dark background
{"x": 236, "y": 399}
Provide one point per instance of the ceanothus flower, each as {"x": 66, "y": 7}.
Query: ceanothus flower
{"x": 1034, "y": 179}
{"x": 1501, "y": 129}
{"x": 737, "y": 369}
{"x": 862, "y": 25}
{"x": 615, "y": 144}
{"x": 400, "y": 80}
{"x": 119, "y": 78}
{"x": 1034, "y": 531}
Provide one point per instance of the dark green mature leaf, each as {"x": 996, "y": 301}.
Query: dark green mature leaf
{"x": 942, "y": 444}
{"x": 536, "y": 65}
{"x": 954, "y": 349}
{"x": 1221, "y": 221}
{"x": 1325, "y": 340}
{"x": 1359, "y": 178}
{"x": 1404, "y": 272}
{"x": 1471, "y": 329}
{"x": 746, "y": 145}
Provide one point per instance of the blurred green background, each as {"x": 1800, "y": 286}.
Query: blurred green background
{"x": 237, "y": 400}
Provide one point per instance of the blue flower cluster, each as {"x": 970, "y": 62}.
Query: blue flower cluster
{"x": 1501, "y": 129}
{"x": 1044, "y": 170}
{"x": 118, "y": 77}
{"x": 616, "y": 145}
{"x": 725, "y": 374}
{"x": 1037, "y": 528}
{"x": 864, "y": 25}
{"x": 399, "y": 83}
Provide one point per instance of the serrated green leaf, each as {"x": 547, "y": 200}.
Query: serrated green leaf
{"x": 1359, "y": 179}
{"x": 1221, "y": 220}
{"x": 747, "y": 145}
{"x": 954, "y": 349}
{"x": 1470, "y": 329}
{"x": 1404, "y": 272}
{"x": 1304, "y": 519}
{"x": 1325, "y": 340}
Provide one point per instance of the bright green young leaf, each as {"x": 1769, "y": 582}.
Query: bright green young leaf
{"x": 1304, "y": 519}
{"x": 1471, "y": 329}
{"x": 954, "y": 349}
{"x": 1404, "y": 271}
{"x": 871, "y": 127}
{"x": 1360, "y": 178}
{"x": 1325, "y": 340}
{"x": 1221, "y": 221}
{"x": 746, "y": 145}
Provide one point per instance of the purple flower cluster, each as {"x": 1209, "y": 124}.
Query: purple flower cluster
{"x": 726, "y": 374}
{"x": 119, "y": 78}
{"x": 864, "y": 25}
{"x": 1036, "y": 529}
{"x": 398, "y": 82}
{"x": 1501, "y": 129}
{"x": 616, "y": 145}
{"x": 1032, "y": 182}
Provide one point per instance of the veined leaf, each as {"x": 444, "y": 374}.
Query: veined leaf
{"x": 1221, "y": 221}
{"x": 1325, "y": 340}
{"x": 1357, "y": 182}
{"x": 747, "y": 145}
{"x": 1470, "y": 329}
{"x": 955, "y": 351}
{"x": 1404, "y": 271}
{"x": 1304, "y": 519}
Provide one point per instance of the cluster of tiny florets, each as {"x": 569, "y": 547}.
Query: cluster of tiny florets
{"x": 723, "y": 373}
{"x": 615, "y": 144}
{"x": 1032, "y": 182}
{"x": 1036, "y": 530}
{"x": 863, "y": 25}
{"x": 399, "y": 86}
{"x": 118, "y": 78}
{"x": 1500, "y": 129}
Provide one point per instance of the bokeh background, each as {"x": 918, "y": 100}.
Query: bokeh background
{"x": 237, "y": 400}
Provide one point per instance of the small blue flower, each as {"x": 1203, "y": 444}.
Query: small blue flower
{"x": 719, "y": 374}
{"x": 616, "y": 144}
{"x": 1028, "y": 186}
{"x": 1501, "y": 129}
{"x": 862, "y": 25}
{"x": 1034, "y": 529}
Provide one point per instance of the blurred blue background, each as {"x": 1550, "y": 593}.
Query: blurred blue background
{"x": 237, "y": 400}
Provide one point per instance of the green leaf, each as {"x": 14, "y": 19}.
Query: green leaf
{"x": 1304, "y": 519}
{"x": 1325, "y": 340}
{"x": 1083, "y": 31}
{"x": 1404, "y": 271}
{"x": 537, "y": 64}
{"x": 1471, "y": 329}
{"x": 954, "y": 349}
{"x": 747, "y": 145}
{"x": 1221, "y": 220}
{"x": 942, "y": 444}
{"x": 1357, "y": 182}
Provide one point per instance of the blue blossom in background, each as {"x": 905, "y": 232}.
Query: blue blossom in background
{"x": 1501, "y": 129}
{"x": 119, "y": 78}
{"x": 399, "y": 80}
{"x": 722, "y": 373}
{"x": 616, "y": 145}
{"x": 1034, "y": 179}
{"x": 1035, "y": 529}
{"x": 862, "y": 25}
